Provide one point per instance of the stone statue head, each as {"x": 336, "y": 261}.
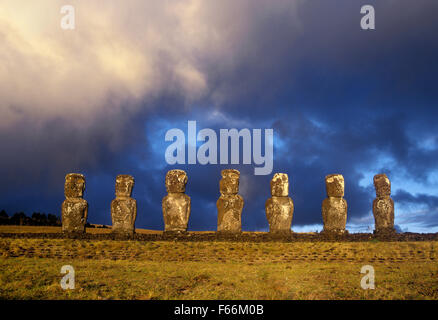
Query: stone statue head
{"x": 334, "y": 184}
{"x": 229, "y": 184}
{"x": 124, "y": 185}
{"x": 74, "y": 185}
{"x": 176, "y": 181}
{"x": 382, "y": 185}
{"x": 280, "y": 185}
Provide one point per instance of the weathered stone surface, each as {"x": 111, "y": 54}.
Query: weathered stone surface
{"x": 123, "y": 207}
{"x": 74, "y": 209}
{"x": 382, "y": 185}
{"x": 246, "y": 237}
{"x": 229, "y": 184}
{"x": 176, "y": 181}
{"x": 280, "y": 185}
{"x": 176, "y": 205}
{"x": 279, "y": 212}
{"x": 383, "y": 210}
{"x": 230, "y": 204}
{"x": 334, "y": 185}
{"x": 334, "y": 214}
{"x": 229, "y": 209}
{"x": 383, "y": 205}
{"x": 334, "y": 208}
{"x": 279, "y": 208}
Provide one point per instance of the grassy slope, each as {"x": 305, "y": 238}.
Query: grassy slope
{"x": 30, "y": 269}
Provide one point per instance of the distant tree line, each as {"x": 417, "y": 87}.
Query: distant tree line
{"x": 37, "y": 219}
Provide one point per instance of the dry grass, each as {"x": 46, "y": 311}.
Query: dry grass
{"x": 241, "y": 252}
{"x": 30, "y": 269}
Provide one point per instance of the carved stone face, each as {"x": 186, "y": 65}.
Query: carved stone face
{"x": 280, "y": 185}
{"x": 74, "y": 185}
{"x": 124, "y": 185}
{"x": 176, "y": 181}
{"x": 229, "y": 184}
{"x": 382, "y": 185}
{"x": 335, "y": 185}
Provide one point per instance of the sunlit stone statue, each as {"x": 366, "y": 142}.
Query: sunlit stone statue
{"x": 74, "y": 209}
{"x": 279, "y": 208}
{"x": 176, "y": 205}
{"x": 230, "y": 204}
{"x": 334, "y": 207}
{"x": 123, "y": 207}
{"x": 383, "y": 205}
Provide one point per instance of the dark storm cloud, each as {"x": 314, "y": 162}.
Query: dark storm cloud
{"x": 405, "y": 197}
{"x": 425, "y": 208}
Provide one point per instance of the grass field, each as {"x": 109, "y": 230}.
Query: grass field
{"x": 107, "y": 269}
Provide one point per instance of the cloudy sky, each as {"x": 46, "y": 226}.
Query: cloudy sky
{"x": 99, "y": 99}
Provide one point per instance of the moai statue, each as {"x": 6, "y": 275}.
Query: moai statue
{"x": 383, "y": 205}
{"x": 279, "y": 208}
{"x": 176, "y": 205}
{"x": 230, "y": 204}
{"x": 74, "y": 210}
{"x": 334, "y": 208}
{"x": 123, "y": 207}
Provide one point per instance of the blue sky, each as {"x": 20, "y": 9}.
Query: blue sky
{"x": 99, "y": 100}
